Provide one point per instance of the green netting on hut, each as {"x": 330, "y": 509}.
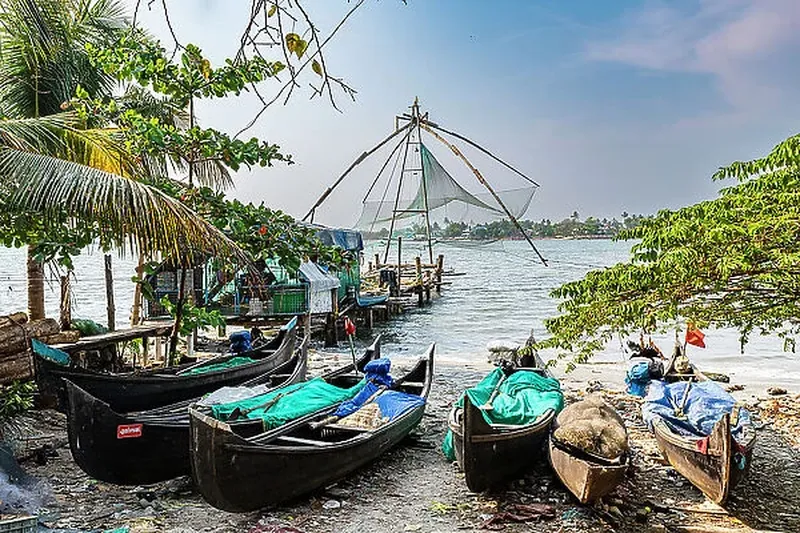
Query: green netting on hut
{"x": 275, "y": 408}
{"x": 222, "y": 365}
{"x": 522, "y": 398}
{"x": 349, "y": 280}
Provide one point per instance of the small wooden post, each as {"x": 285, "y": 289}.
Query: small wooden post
{"x": 377, "y": 261}
{"x": 137, "y": 293}
{"x": 439, "y": 269}
{"x": 66, "y": 304}
{"x": 399, "y": 264}
{"x": 145, "y": 351}
{"x": 418, "y": 267}
{"x": 110, "y": 309}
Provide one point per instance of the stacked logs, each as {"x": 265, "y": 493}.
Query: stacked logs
{"x": 15, "y": 333}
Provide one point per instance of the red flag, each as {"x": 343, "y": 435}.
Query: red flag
{"x": 694, "y": 336}
{"x": 349, "y": 327}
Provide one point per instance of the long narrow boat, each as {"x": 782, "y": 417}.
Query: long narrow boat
{"x": 714, "y": 462}
{"x": 586, "y": 474}
{"x": 239, "y": 471}
{"x": 148, "y": 446}
{"x": 491, "y": 454}
{"x": 142, "y": 390}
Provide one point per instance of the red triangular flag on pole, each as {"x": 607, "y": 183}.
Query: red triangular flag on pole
{"x": 694, "y": 336}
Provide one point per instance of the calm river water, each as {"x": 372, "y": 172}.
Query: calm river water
{"x": 503, "y": 294}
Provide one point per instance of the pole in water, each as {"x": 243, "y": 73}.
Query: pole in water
{"x": 350, "y": 330}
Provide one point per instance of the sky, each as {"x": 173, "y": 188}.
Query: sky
{"x": 612, "y": 106}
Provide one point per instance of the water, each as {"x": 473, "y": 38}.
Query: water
{"x": 503, "y": 294}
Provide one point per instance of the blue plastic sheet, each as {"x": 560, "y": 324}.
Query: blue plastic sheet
{"x": 638, "y": 378}
{"x": 350, "y": 240}
{"x": 50, "y": 353}
{"x": 394, "y": 403}
{"x": 240, "y": 341}
{"x": 376, "y": 373}
{"x": 704, "y": 406}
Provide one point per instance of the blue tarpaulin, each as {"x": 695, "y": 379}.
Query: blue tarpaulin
{"x": 637, "y": 379}
{"x": 348, "y": 239}
{"x": 695, "y": 416}
{"x": 240, "y": 341}
{"x": 376, "y": 373}
{"x": 48, "y": 352}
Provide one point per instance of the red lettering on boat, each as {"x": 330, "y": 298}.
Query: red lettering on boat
{"x": 129, "y": 431}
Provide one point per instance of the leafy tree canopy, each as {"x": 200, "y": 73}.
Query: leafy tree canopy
{"x": 729, "y": 262}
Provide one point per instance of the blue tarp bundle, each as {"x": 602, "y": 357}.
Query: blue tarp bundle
{"x": 376, "y": 374}
{"x": 393, "y": 403}
{"x": 48, "y": 352}
{"x": 637, "y": 379}
{"x": 240, "y": 341}
{"x": 350, "y": 240}
{"x": 704, "y": 406}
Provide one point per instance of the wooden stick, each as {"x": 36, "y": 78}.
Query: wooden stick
{"x": 361, "y": 158}
{"x": 485, "y": 183}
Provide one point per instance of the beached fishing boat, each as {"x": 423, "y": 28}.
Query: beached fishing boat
{"x": 587, "y": 476}
{"x": 494, "y": 434}
{"x": 149, "y": 446}
{"x": 589, "y": 448}
{"x": 237, "y": 470}
{"x": 702, "y": 432}
{"x": 141, "y": 390}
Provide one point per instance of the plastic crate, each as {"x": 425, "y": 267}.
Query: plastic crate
{"x": 19, "y": 524}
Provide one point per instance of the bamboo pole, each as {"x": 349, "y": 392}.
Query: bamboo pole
{"x": 110, "y": 309}
{"x": 481, "y": 148}
{"x": 485, "y": 183}
{"x": 362, "y": 157}
{"x": 65, "y": 314}
{"x": 137, "y": 293}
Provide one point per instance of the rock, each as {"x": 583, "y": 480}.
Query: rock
{"x": 776, "y": 391}
{"x": 331, "y": 504}
{"x": 413, "y": 527}
{"x": 338, "y": 492}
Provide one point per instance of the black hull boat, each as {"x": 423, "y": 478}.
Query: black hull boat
{"x": 492, "y": 454}
{"x": 142, "y": 390}
{"x": 239, "y": 472}
{"x": 146, "y": 446}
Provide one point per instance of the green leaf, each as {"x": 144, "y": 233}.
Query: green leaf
{"x": 316, "y": 67}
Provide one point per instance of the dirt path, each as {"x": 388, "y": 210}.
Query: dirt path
{"x": 413, "y": 488}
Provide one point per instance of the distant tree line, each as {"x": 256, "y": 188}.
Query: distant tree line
{"x": 571, "y": 226}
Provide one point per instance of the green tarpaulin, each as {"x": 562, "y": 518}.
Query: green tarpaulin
{"x": 522, "y": 398}
{"x": 294, "y": 401}
{"x": 214, "y": 367}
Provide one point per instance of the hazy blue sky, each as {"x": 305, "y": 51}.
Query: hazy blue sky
{"x": 611, "y": 105}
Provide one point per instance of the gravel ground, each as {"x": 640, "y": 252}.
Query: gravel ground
{"x": 413, "y": 488}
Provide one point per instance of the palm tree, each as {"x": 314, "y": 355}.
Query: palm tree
{"x": 49, "y": 162}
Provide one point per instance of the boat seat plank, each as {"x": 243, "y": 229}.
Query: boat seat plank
{"x": 412, "y": 384}
{"x": 298, "y": 440}
{"x": 348, "y": 428}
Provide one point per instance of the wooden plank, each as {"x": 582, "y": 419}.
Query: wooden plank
{"x": 161, "y": 329}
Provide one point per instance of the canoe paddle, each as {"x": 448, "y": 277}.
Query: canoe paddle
{"x": 488, "y": 405}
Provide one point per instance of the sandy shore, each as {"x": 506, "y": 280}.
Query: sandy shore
{"x": 413, "y": 488}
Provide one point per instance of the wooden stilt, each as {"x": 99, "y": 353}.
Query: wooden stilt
{"x": 66, "y": 304}
{"x": 110, "y": 309}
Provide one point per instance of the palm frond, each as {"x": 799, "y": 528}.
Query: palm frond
{"x": 59, "y": 136}
{"x": 131, "y": 214}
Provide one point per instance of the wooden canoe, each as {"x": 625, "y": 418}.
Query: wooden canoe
{"x": 492, "y": 454}
{"x": 237, "y": 472}
{"x": 587, "y": 477}
{"x": 146, "y": 446}
{"x": 142, "y": 390}
{"x": 714, "y": 464}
